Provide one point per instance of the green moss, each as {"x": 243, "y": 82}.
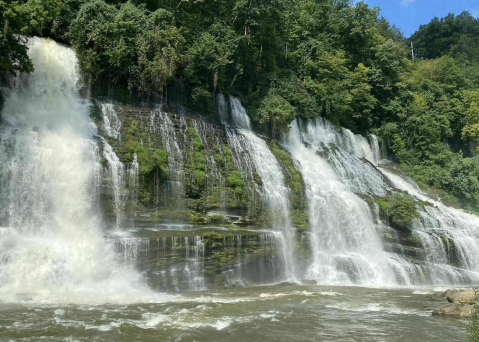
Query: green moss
{"x": 235, "y": 180}
{"x": 300, "y": 218}
{"x": 383, "y": 203}
{"x": 295, "y": 182}
{"x": 149, "y": 159}
{"x": 200, "y": 161}
{"x": 228, "y": 156}
{"x": 402, "y": 209}
{"x": 219, "y": 159}
{"x": 173, "y": 214}
{"x": 257, "y": 179}
{"x": 200, "y": 177}
{"x": 197, "y": 218}
{"x": 197, "y": 143}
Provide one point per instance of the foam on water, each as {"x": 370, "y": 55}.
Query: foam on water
{"x": 378, "y": 307}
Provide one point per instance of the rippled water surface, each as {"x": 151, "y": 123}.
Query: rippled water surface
{"x": 271, "y": 313}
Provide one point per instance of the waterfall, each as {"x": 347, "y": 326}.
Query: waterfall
{"x": 346, "y": 246}
{"x": 111, "y": 122}
{"x": 115, "y": 173}
{"x": 51, "y": 246}
{"x": 376, "y": 154}
{"x": 347, "y": 240}
{"x": 252, "y": 154}
{"x": 449, "y": 236}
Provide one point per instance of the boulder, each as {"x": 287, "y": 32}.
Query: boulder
{"x": 444, "y": 294}
{"x": 462, "y": 297}
{"x": 454, "y": 310}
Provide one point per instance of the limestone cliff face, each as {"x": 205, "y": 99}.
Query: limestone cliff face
{"x": 204, "y": 181}
{"x": 179, "y": 173}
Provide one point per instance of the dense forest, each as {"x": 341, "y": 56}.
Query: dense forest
{"x": 285, "y": 59}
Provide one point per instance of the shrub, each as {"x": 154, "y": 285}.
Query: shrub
{"x": 402, "y": 209}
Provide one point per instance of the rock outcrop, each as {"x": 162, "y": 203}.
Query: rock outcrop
{"x": 461, "y": 303}
{"x": 462, "y": 297}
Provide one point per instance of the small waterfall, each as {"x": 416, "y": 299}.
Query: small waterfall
{"x": 345, "y": 153}
{"x": 449, "y": 236}
{"x": 111, "y": 123}
{"x": 194, "y": 262}
{"x": 52, "y": 247}
{"x": 376, "y": 154}
{"x": 115, "y": 173}
{"x": 134, "y": 182}
{"x": 252, "y": 154}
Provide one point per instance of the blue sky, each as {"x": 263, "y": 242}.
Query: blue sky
{"x": 409, "y": 14}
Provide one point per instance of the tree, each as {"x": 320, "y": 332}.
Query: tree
{"x": 19, "y": 19}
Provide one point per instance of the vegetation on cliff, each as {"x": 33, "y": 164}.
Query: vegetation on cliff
{"x": 287, "y": 59}
{"x": 401, "y": 208}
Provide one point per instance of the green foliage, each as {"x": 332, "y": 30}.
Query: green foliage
{"x": 18, "y": 19}
{"x": 149, "y": 160}
{"x": 473, "y": 327}
{"x": 284, "y": 59}
{"x": 235, "y": 180}
{"x": 128, "y": 43}
{"x": 219, "y": 160}
{"x": 228, "y": 157}
{"x": 451, "y": 34}
{"x": 470, "y": 107}
{"x": 276, "y": 109}
{"x": 401, "y": 208}
{"x": 197, "y": 143}
{"x": 200, "y": 177}
{"x": 296, "y": 185}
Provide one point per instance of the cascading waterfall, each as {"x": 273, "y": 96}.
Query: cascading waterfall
{"x": 449, "y": 236}
{"x": 345, "y": 244}
{"x": 51, "y": 247}
{"x": 251, "y": 153}
{"x": 162, "y": 125}
{"x": 337, "y": 166}
{"x": 111, "y": 122}
{"x": 115, "y": 173}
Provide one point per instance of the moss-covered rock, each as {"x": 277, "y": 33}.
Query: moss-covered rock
{"x": 295, "y": 182}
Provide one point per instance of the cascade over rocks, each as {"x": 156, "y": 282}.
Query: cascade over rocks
{"x": 195, "y": 203}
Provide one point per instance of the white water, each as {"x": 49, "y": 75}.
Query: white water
{"x": 346, "y": 246}
{"x": 111, "y": 122}
{"x": 253, "y": 154}
{"x": 115, "y": 173}
{"x": 52, "y": 247}
{"x": 346, "y": 242}
{"x": 459, "y": 229}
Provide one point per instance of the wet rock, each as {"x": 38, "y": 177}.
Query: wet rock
{"x": 454, "y": 310}
{"x": 462, "y": 297}
{"x": 444, "y": 294}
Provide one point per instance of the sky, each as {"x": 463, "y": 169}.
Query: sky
{"x": 409, "y": 14}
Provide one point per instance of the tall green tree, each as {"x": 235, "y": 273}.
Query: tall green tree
{"x": 19, "y": 19}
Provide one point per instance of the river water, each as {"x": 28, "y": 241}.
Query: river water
{"x": 268, "y": 313}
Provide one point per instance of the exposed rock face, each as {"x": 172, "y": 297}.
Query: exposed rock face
{"x": 455, "y": 310}
{"x": 462, "y": 297}
{"x": 461, "y": 303}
